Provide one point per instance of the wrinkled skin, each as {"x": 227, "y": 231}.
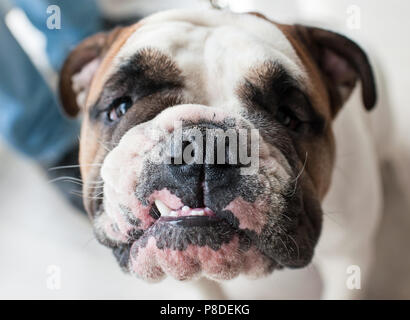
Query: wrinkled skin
{"x": 265, "y": 219}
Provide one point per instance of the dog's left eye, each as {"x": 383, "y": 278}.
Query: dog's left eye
{"x": 118, "y": 108}
{"x": 287, "y": 119}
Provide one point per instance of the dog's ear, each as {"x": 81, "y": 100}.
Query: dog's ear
{"x": 342, "y": 62}
{"x": 79, "y": 68}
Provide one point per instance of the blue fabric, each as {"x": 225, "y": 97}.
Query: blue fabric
{"x": 79, "y": 19}
{"x": 30, "y": 117}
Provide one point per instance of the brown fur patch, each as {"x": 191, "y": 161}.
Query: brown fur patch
{"x": 102, "y": 73}
{"x": 320, "y": 153}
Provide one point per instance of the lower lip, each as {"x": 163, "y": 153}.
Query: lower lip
{"x": 191, "y": 221}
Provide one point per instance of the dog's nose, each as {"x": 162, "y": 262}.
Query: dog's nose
{"x": 205, "y": 163}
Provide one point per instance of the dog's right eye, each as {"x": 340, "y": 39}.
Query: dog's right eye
{"x": 118, "y": 108}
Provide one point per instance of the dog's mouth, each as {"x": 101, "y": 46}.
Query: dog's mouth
{"x": 178, "y": 229}
{"x": 184, "y": 216}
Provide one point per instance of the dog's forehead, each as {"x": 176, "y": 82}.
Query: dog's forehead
{"x": 213, "y": 49}
{"x": 245, "y": 35}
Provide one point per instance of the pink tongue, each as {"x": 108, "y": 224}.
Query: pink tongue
{"x": 195, "y": 212}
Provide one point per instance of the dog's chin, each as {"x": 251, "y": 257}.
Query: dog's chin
{"x": 188, "y": 247}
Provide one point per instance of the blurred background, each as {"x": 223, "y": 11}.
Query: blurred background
{"x": 47, "y": 249}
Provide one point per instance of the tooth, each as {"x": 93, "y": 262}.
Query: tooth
{"x": 185, "y": 208}
{"x": 198, "y": 213}
{"x": 173, "y": 214}
{"x": 163, "y": 209}
{"x": 207, "y": 210}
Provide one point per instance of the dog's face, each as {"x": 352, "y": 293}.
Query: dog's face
{"x": 172, "y": 83}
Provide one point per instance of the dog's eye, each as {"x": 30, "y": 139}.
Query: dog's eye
{"x": 287, "y": 119}
{"x": 118, "y": 108}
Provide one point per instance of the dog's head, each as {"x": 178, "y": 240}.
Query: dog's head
{"x": 207, "y": 144}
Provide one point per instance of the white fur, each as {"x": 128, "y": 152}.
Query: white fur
{"x": 213, "y": 49}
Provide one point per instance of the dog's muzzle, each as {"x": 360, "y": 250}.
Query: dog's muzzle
{"x": 181, "y": 200}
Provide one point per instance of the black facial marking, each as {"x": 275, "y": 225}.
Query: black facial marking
{"x": 146, "y": 73}
{"x": 176, "y": 237}
{"x": 269, "y": 89}
{"x": 289, "y": 237}
{"x": 198, "y": 185}
{"x": 229, "y": 217}
{"x": 129, "y": 216}
{"x": 105, "y": 241}
{"x": 265, "y": 86}
{"x": 122, "y": 254}
{"x": 192, "y": 221}
{"x": 135, "y": 234}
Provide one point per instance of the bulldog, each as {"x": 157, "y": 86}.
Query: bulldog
{"x": 150, "y": 91}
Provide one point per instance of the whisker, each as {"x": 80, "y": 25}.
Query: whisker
{"x": 74, "y": 182}
{"x": 284, "y": 215}
{"x": 296, "y": 244}
{"x": 95, "y": 187}
{"x": 302, "y": 169}
{"x": 284, "y": 244}
{"x": 299, "y": 175}
{"x": 76, "y": 193}
{"x": 99, "y": 194}
{"x": 85, "y": 197}
{"x": 104, "y": 146}
{"x": 75, "y": 166}
{"x": 332, "y": 218}
{"x": 96, "y": 182}
{"x": 68, "y": 178}
{"x": 83, "y": 186}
